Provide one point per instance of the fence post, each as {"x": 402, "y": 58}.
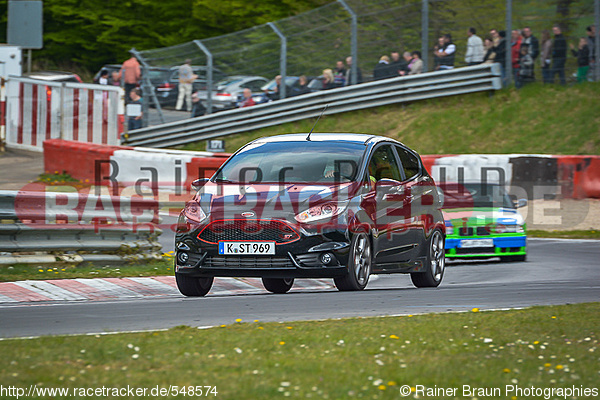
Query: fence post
{"x": 596, "y": 72}
{"x": 282, "y": 59}
{"x": 147, "y": 91}
{"x": 61, "y": 110}
{"x": 508, "y": 63}
{"x": 425, "y": 34}
{"x": 209, "y": 75}
{"x": 353, "y": 43}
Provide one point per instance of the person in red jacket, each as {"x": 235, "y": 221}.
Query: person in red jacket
{"x": 515, "y": 53}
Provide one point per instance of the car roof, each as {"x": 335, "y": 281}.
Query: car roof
{"x": 327, "y": 137}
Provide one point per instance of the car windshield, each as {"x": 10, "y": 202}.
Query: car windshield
{"x": 474, "y": 195}
{"x": 294, "y": 162}
{"x": 227, "y": 82}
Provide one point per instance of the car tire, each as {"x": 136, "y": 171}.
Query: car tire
{"x": 435, "y": 264}
{"x": 193, "y": 287}
{"x": 522, "y": 257}
{"x": 278, "y": 285}
{"x": 360, "y": 262}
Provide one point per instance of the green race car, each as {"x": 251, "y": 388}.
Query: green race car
{"x": 482, "y": 221}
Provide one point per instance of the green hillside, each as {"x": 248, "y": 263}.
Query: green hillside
{"x": 535, "y": 119}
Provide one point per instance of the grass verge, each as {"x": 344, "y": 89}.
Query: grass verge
{"x": 590, "y": 234}
{"x": 543, "y": 347}
{"x": 21, "y": 272}
{"x": 545, "y": 119}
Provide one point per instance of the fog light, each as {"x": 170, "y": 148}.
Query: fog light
{"x": 183, "y": 257}
{"x": 326, "y": 258}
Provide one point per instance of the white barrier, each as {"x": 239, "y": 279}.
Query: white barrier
{"x": 38, "y": 110}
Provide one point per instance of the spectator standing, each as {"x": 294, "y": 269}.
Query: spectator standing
{"x": 495, "y": 35}
{"x": 526, "y": 64}
{"x": 186, "y": 80}
{"x": 515, "y": 41}
{"x": 198, "y": 108}
{"x": 447, "y": 53}
{"x": 131, "y": 73}
{"x": 103, "y": 80}
{"x": 532, "y": 42}
{"x": 583, "y": 59}
{"x": 247, "y": 101}
{"x": 559, "y": 55}
{"x": 134, "y": 110}
{"x": 382, "y": 69}
{"x": 437, "y": 47}
{"x": 339, "y": 76}
{"x": 302, "y": 86}
{"x": 408, "y": 58}
{"x": 417, "y": 64}
{"x": 490, "y": 51}
{"x": 475, "y": 52}
{"x": 398, "y": 65}
{"x": 546, "y": 56}
{"x": 501, "y": 56}
{"x": 328, "y": 79}
{"x": 591, "y": 42}
{"x": 115, "y": 79}
{"x": 359, "y": 78}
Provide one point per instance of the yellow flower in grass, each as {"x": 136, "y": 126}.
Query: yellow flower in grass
{"x": 475, "y": 309}
{"x": 394, "y": 337}
{"x": 382, "y": 387}
{"x": 559, "y": 367}
{"x": 281, "y": 343}
{"x": 506, "y": 370}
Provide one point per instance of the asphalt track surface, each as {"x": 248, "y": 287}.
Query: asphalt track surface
{"x": 557, "y": 272}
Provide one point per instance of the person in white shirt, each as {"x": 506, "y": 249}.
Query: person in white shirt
{"x": 475, "y": 52}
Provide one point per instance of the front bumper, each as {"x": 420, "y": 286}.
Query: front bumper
{"x": 300, "y": 259}
{"x": 512, "y": 245}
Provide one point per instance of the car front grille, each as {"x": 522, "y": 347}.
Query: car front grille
{"x": 247, "y": 262}
{"x": 248, "y": 230}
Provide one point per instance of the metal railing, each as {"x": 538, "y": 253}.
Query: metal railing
{"x": 48, "y": 228}
{"x": 485, "y": 77}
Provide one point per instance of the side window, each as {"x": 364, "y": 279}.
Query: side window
{"x": 253, "y": 85}
{"x": 410, "y": 162}
{"x": 383, "y": 164}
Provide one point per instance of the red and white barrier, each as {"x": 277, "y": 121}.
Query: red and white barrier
{"x": 39, "y": 110}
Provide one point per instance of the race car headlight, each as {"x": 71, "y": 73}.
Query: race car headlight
{"x": 322, "y": 211}
{"x": 509, "y": 228}
{"x": 194, "y": 212}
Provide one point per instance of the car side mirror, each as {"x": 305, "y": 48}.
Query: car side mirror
{"x": 521, "y": 203}
{"x": 198, "y": 183}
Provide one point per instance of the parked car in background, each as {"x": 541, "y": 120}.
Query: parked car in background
{"x": 482, "y": 221}
{"x": 226, "y": 92}
{"x": 54, "y": 76}
{"x": 339, "y": 206}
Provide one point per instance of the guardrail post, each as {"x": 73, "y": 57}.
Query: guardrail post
{"x": 209, "y": 75}
{"x": 61, "y": 110}
{"x": 282, "y": 59}
{"x": 147, "y": 91}
{"x": 353, "y": 43}
{"x": 508, "y": 64}
{"x": 425, "y": 34}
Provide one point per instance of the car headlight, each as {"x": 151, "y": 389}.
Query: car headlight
{"x": 509, "y": 228}
{"x": 322, "y": 211}
{"x": 194, "y": 212}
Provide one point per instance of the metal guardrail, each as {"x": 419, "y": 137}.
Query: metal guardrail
{"x": 48, "y": 227}
{"x": 485, "y": 77}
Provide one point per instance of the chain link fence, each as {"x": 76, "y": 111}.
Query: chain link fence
{"x": 317, "y": 39}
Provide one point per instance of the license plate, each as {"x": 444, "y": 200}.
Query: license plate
{"x": 468, "y": 243}
{"x": 247, "y": 248}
